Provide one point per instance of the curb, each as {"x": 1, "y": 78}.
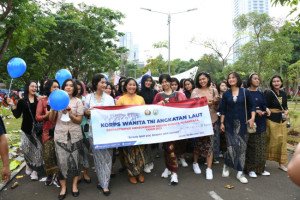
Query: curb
{"x": 13, "y": 175}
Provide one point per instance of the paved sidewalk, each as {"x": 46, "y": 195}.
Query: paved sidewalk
{"x": 191, "y": 186}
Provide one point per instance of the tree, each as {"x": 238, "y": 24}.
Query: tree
{"x": 267, "y": 49}
{"x": 210, "y": 63}
{"x": 23, "y": 23}
{"x": 293, "y": 4}
{"x": 157, "y": 66}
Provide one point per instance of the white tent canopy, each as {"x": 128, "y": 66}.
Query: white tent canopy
{"x": 191, "y": 73}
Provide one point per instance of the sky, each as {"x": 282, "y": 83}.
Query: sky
{"x": 211, "y": 21}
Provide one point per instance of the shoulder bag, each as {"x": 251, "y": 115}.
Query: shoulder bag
{"x": 37, "y": 127}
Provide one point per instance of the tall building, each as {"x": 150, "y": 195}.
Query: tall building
{"x": 244, "y": 7}
{"x": 127, "y": 41}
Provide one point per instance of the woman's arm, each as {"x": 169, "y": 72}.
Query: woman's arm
{"x": 52, "y": 115}
{"x": 16, "y": 110}
{"x": 39, "y": 112}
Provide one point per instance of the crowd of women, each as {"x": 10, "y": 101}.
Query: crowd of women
{"x": 65, "y": 144}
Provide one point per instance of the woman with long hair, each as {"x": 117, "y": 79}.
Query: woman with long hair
{"x": 168, "y": 95}
{"x": 189, "y": 86}
{"x": 68, "y": 139}
{"x": 31, "y": 145}
{"x": 42, "y": 115}
{"x": 204, "y": 145}
{"x": 102, "y": 157}
{"x": 133, "y": 155}
{"x": 234, "y": 120}
{"x": 148, "y": 94}
{"x": 276, "y": 123}
{"x": 256, "y": 146}
{"x": 109, "y": 89}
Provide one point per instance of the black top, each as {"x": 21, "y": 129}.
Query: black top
{"x": 2, "y": 127}
{"x": 148, "y": 95}
{"x": 273, "y": 103}
{"x": 22, "y": 108}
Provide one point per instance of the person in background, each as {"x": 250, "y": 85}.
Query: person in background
{"x": 102, "y": 157}
{"x": 256, "y": 146}
{"x": 133, "y": 155}
{"x": 68, "y": 139}
{"x": 119, "y": 86}
{"x": 109, "y": 90}
{"x": 148, "y": 94}
{"x": 41, "y": 89}
{"x": 219, "y": 138}
{"x": 234, "y": 122}
{"x": 276, "y": 123}
{"x": 42, "y": 115}
{"x": 189, "y": 86}
{"x": 5, "y": 172}
{"x": 168, "y": 95}
{"x": 85, "y": 143}
{"x": 160, "y": 88}
{"x": 175, "y": 84}
{"x": 181, "y": 85}
{"x": 204, "y": 145}
{"x": 31, "y": 145}
{"x": 120, "y": 90}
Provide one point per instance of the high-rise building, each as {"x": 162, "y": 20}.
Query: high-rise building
{"x": 127, "y": 41}
{"x": 244, "y": 7}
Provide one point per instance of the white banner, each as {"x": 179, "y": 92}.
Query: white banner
{"x": 118, "y": 126}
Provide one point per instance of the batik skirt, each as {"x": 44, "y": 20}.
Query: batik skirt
{"x": 277, "y": 142}
{"x": 205, "y": 145}
{"x": 134, "y": 159}
{"x": 103, "y": 164}
{"x": 256, "y": 153}
{"x": 170, "y": 156}
{"x": 50, "y": 157}
{"x": 68, "y": 158}
{"x": 33, "y": 151}
{"x": 236, "y": 141}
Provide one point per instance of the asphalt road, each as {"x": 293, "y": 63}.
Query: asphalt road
{"x": 191, "y": 186}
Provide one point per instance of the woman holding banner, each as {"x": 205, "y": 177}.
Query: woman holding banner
{"x": 68, "y": 139}
{"x": 168, "y": 95}
{"x": 102, "y": 157}
{"x": 133, "y": 155}
{"x": 148, "y": 94}
{"x": 204, "y": 145}
{"x": 234, "y": 120}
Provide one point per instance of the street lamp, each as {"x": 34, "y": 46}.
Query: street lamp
{"x": 169, "y": 24}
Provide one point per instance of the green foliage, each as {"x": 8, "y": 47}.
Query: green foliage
{"x": 294, "y": 5}
{"x": 80, "y": 38}
{"x": 158, "y": 66}
{"x": 267, "y": 50}
{"x": 161, "y": 44}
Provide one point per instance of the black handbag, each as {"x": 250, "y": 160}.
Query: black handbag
{"x": 37, "y": 127}
{"x": 51, "y": 131}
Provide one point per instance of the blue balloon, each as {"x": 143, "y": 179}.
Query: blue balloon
{"x": 16, "y": 67}
{"x": 59, "y": 100}
{"x": 62, "y": 75}
{"x": 106, "y": 77}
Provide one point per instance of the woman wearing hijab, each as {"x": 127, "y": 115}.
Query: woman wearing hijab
{"x": 148, "y": 94}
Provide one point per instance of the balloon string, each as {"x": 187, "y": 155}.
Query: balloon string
{"x": 10, "y": 87}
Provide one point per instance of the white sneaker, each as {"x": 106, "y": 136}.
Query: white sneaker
{"x": 166, "y": 173}
{"x": 266, "y": 173}
{"x": 28, "y": 170}
{"x": 242, "y": 178}
{"x": 183, "y": 162}
{"x": 174, "y": 178}
{"x": 196, "y": 168}
{"x": 209, "y": 174}
{"x": 225, "y": 172}
{"x": 34, "y": 176}
{"x": 252, "y": 174}
{"x": 151, "y": 165}
{"x": 147, "y": 169}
